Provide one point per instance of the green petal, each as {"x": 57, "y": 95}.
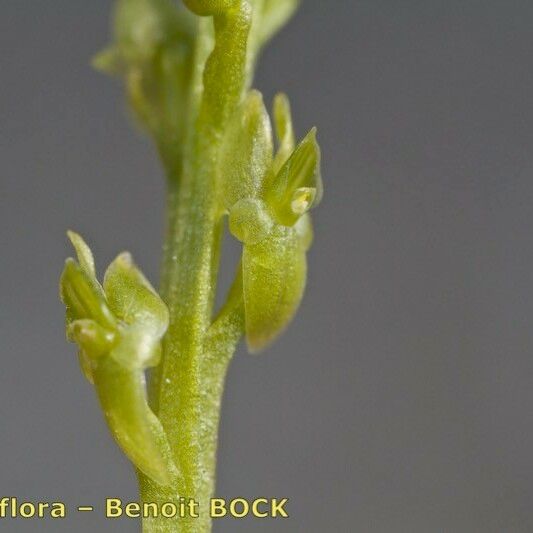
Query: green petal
{"x": 85, "y": 256}
{"x": 83, "y": 296}
{"x": 284, "y": 130}
{"x": 297, "y": 187}
{"x": 246, "y": 152}
{"x": 274, "y": 274}
{"x": 131, "y": 296}
{"x": 134, "y": 301}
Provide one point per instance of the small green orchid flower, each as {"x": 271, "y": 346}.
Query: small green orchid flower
{"x": 267, "y": 198}
{"x": 118, "y": 328}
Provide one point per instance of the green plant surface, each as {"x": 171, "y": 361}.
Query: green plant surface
{"x": 187, "y": 71}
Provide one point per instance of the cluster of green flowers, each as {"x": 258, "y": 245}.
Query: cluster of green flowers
{"x": 178, "y": 83}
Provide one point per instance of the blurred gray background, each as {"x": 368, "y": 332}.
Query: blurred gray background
{"x": 400, "y": 400}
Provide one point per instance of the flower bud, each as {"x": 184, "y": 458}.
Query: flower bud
{"x": 153, "y": 54}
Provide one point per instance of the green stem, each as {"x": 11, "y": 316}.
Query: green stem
{"x": 188, "y": 400}
{"x": 196, "y": 352}
{"x": 196, "y": 359}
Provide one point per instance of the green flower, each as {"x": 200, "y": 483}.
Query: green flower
{"x": 152, "y": 53}
{"x": 118, "y": 328}
{"x": 267, "y": 198}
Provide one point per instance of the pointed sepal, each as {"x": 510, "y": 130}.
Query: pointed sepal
{"x": 297, "y": 187}
{"x": 284, "y": 131}
{"x": 143, "y": 314}
{"x": 247, "y": 151}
